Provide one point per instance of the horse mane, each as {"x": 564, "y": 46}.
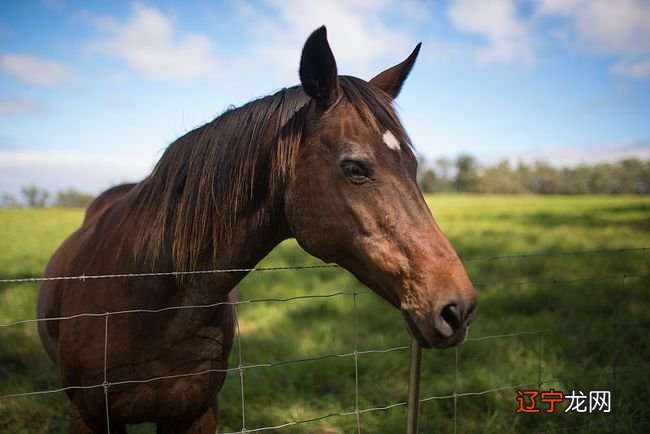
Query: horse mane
{"x": 218, "y": 173}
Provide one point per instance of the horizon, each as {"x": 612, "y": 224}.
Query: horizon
{"x": 91, "y": 93}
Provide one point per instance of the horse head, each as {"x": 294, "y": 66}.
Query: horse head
{"x": 353, "y": 198}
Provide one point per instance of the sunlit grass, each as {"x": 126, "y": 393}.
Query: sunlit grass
{"x": 592, "y": 327}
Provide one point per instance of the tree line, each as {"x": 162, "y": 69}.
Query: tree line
{"x": 465, "y": 175}
{"x": 461, "y": 175}
{"x": 32, "y": 196}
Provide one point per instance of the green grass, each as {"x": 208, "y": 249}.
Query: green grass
{"x": 592, "y": 326}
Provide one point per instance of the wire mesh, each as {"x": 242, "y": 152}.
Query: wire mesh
{"x": 355, "y": 354}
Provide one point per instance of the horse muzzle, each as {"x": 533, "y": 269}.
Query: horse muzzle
{"x": 446, "y": 327}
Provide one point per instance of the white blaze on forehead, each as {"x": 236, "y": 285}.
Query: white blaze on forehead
{"x": 391, "y": 141}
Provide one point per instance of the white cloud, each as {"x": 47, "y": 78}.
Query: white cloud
{"x": 571, "y": 155}
{"x": 19, "y": 106}
{"x": 608, "y": 27}
{"x": 59, "y": 170}
{"x": 364, "y": 35}
{"x": 35, "y": 71}
{"x": 150, "y": 44}
{"x": 633, "y": 68}
{"x": 509, "y": 38}
{"x": 54, "y": 5}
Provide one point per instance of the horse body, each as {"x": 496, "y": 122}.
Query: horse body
{"x": 140, "y": 346}
{"x": 327, "y": 163}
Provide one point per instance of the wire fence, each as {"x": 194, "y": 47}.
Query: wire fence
{"x": 355, "y": 354}
{"x": 311, "y": 267}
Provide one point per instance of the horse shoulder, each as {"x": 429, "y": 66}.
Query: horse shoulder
{"x": 61, "y": 264}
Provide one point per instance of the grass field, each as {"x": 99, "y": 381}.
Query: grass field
{"x": 595, "y": 324}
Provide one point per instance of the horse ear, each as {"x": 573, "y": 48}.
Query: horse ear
{"x": 392, "y": 79}
{"x": 318, "y": 73}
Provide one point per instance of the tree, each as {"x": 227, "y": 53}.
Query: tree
{"x": 547, "y": 180}
{"x": 578, "y": 179}
{"x": 629, "y": 176}
{"x": 466, "y": 179}
{"x": 9, "y": 201}
{"x": 74, "y": 199}
{"x": 443, "y": 166}
{"x": 428, "y": 181}
{"x": 500, "y": 179}
{"x": 634, "y": 175}
{"x": 35, "y": 197}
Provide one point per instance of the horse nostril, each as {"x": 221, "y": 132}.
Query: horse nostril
{"x": 451, "y": 315}
{"x": 449, "y": 320}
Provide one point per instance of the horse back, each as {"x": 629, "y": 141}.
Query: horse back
{"x": 106, "y": 199}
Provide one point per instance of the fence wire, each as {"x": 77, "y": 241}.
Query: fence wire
{"x": 308, "y": 267}
{"x": 356, "y": 353}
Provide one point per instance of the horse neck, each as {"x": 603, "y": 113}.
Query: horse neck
{"x": 254, "y": 237}
{"x": 250, "y": 239}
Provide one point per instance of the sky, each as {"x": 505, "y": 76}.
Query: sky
{"x": 91, "y": 92}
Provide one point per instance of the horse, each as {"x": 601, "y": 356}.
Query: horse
{"x": 326, "y": 162}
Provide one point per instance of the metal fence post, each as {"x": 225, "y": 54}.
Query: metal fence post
{"x": 414, "y": 388}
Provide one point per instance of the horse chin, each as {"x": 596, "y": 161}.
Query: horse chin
{"x": 436, "y": 341}
{"x": 415, "y": 331}
{"x": 454, "y": 340}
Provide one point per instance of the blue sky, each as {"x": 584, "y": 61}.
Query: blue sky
{"x": 91, "y": 92}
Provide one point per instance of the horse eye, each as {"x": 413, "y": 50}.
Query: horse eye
{"x": 357, "y": 171}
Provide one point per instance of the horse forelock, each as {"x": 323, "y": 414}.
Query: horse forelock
{"x": 210, "y": 178}
{"x": 375, "y": 108}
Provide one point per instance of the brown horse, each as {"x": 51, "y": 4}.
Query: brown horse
{"x": 328, "y": 163}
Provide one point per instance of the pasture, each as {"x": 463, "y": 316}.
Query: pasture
{"x": 586, "y": 320}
